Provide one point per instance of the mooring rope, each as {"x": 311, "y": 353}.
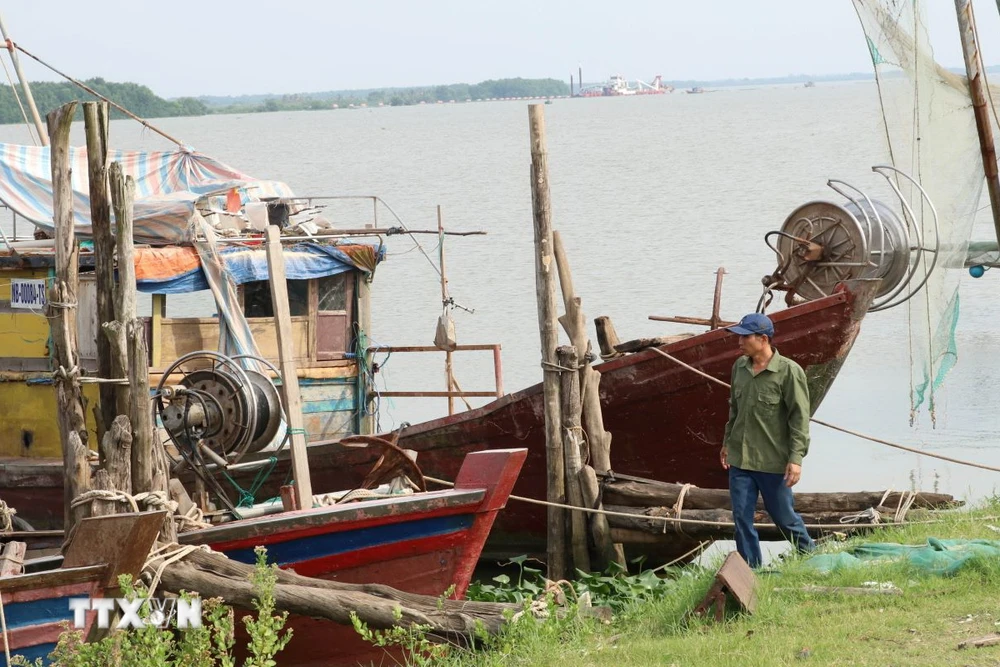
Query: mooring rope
{"x": 174, "y": 556}
{"x": 950, "y": 459}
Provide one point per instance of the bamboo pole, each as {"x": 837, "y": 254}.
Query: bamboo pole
{"x": 95, "y": 119}
{"x": 548, "y": 328}
{"x": 25, "y": 87}
{"x": 62, "y": 310}
{"x": 448, "y": 368}
{"x": 569, "y": 393}
{"x": 978, "y": 89}
{"x": 289, "y": 373}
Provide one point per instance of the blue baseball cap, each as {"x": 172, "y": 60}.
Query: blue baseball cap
{"x": 754, "y": 323}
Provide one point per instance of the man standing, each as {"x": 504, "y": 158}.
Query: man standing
{"x": 766, "y": 437}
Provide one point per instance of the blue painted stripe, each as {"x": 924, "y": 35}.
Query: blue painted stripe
{"x": 36, "y": 612}
{"x": 32, "y": 653}
{"x": 332, "y": 405}
{"x": 331, "y": 544}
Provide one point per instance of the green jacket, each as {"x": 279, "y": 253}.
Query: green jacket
{"x": 769, "y": 413}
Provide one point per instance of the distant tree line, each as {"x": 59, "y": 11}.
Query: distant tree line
{"x": 138, "y": 99}
{"x": 141, "y": 101}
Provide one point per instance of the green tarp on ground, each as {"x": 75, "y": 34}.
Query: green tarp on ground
{"x": 943, "y": 557}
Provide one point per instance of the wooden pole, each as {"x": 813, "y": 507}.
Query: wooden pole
{"x": 569, "y": 393}
{"x": 448, "y": 369}
{"x": 28, "y": 97}
{"x": 95, "y": 119}
{"x": 548, "y": 327}
{"x": 716, "y": 321}
{"x": 588, "y": 381}
{"x": 62, "y": 311}
{"x": 366, "y": 423}
{"x": 289, "y": 372}
{"x": 977, "y": 88}
{"x": 132, "y": 400}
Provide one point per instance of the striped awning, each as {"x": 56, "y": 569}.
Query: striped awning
{"x": 169, "y": 184}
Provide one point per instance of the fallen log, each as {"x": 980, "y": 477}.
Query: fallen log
{"x": 211, "y": 574}
{"x": 648, "y": 493}
{"x": 651, "y": 521}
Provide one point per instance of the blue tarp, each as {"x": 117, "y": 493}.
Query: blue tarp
{"x": 303, "y": 261}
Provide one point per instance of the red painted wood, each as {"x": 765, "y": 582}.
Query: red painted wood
{"x": 33, "y": 635}
{"x": 283, "y": 531}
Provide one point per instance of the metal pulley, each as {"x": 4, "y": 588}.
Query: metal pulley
{"x": 823, "y": 243}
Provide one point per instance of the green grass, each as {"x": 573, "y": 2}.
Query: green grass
{"x": 923, "y": 626}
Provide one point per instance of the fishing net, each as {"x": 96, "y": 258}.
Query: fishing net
{"x": 930, "y": 133}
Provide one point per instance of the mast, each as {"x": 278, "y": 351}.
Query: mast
{"x": 977, "y": 87}
{"x": 42, "y": 133}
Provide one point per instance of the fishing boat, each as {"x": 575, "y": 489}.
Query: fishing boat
{"x": 666, "y": 421}
{"x": 35, "y": 601}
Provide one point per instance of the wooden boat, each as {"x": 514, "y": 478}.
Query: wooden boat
{"x": 427, "y": 543}
{"x": 667, "y": 422}
{"x": 36, "y": 603}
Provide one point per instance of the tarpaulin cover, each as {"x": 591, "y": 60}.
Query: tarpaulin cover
{"x": 168, "y": 184}
{"x": 944, "y": 557}
{"x": 176, "y": 270}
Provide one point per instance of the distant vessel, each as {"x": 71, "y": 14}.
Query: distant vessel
{"x": 618, "y": 86}
{"x": 696, "y": 89}
{"x": 809, "y": 84}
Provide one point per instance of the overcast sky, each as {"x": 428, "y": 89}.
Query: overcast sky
{"x": 230, "y": 47}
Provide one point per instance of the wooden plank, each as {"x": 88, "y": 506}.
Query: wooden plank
{"x": 988, "y": 640}
{"x": 734, "y": 578}
{"x": 841, "y": 590}
{"x": 289, "y": 375}
{"x": 121, "y": 541}
{"x": 180, "y": 336}
{"x": 545, "y": 293}
{"x": 62, "y": 311}
{"x": 159, "y": 313}
{"x": 41, "y": 585}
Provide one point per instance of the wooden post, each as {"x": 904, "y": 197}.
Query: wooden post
{"x": 572, "y": 433}
{"x": 95, "y": 118}
{"x": 546, "y": 296}
{"x": 588, "y": 381}
{"x": 159, "y": 312}
{"x": 132, "y": 400}
{"x": 978, "y": 89}
{"x": 366, "y": 425}
{"x": 289, "y": 372}
{"x": 62, "y": 311}
{"x": 607, "y": 337}
{"x": 448, "y": 370}
{"x": 116, "y": 451}
{"x": 716, "y": 320}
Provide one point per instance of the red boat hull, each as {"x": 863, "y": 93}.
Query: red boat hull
{"x": 666, "y": 422}
{"x": 424, "y": 543}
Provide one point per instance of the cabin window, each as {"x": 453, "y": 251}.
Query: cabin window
{"x": 257, "y": 298}
{"x": 334, "y": 316}
{"x": 333, "y": 292}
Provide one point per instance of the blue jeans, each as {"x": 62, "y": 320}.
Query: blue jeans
{"x": 744, "y": 486}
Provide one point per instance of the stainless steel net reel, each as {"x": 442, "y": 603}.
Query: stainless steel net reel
{"x": 823, "y": 243}
{"x": 216, "y": 409}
